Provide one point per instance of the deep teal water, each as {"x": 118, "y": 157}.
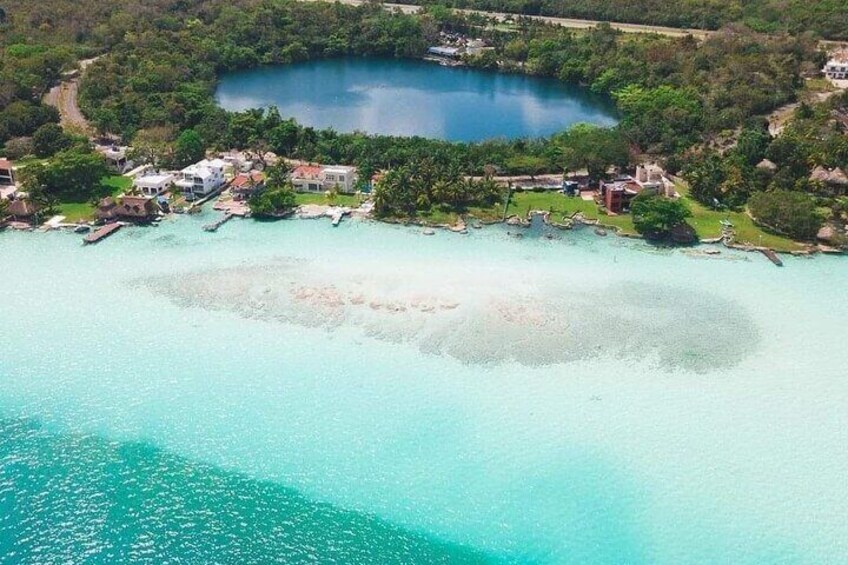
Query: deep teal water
{"x": 69, "y": 498}
{"x": 407, "y": 97}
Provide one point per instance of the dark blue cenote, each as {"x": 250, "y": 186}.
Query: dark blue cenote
{"x": 408, "y": 97}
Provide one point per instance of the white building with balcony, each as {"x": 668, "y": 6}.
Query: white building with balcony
{"x": 837, "y": 68}
{"x": 202, "y": 178}
{"x": 318, "y": 178}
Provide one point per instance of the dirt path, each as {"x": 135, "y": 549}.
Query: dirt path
{"x": 64, "y": 97}
{"x": 778, "y": 118}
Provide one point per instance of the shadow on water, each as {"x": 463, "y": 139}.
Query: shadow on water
{"x": 75, "y": 498}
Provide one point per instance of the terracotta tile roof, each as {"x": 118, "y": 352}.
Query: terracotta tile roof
{"x": 307, "y": 172}
{"x": 244, "y": 179}
{"x": 5, "y": 164}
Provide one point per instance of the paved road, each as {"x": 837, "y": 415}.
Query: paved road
{"x": 564, "y": 22}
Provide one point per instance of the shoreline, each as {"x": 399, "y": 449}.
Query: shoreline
{"x": 335, "y": 213}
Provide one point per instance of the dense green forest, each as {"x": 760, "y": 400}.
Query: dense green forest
{"x": 677, "y": 98}
{"x": 826, "y": 18}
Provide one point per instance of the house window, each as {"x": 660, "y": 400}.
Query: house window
{"x": 331, "y": 177}
{"x": 341, "y": 178}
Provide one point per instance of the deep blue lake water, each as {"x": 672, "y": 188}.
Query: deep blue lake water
{"x": 404, "y": 97}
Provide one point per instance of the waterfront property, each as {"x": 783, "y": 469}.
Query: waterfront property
{"x": 445, "y": 51}
{"x": 127, "y": 207}
{"x": 617, "y": 194}
{"x": 153, "y": 184}
{"x": 202, "y": 178}
{"x": 321, "y": 178}
{"x": 245, "y": 185}
{"x": 21, "y": 209}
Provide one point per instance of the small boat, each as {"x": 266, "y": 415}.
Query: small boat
{"x": 429, "y": 231}
{"x": 600, "y": 231}
{"x": 82, "y": 228}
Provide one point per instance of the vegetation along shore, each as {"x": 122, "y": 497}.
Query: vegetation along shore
{"x": 692, "y": 111}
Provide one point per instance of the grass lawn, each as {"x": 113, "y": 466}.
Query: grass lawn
{"x": 117, "y": 183}
{"x": 84, "y": 211}
{"x": 707, "y": 224}
{"x": 561, "y": 206}
{"x": 302, "y": 198}
{"x": 76, "y": 211}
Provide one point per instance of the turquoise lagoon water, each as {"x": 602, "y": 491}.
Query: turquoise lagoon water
{"x": 408, "y": 97}
{"x": 292, "y": 392}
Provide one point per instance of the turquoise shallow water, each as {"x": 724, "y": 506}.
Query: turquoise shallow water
{"x": 296, "y": 392}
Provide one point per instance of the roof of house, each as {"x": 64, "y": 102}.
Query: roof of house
{"x": 311, "y": 172}
{"x": 21, "y": 208}
{"x": 135, "y": 206}
{"x": 838, "y": 176}
{"x": 833, "y": 176}
{"x": 339, "y": 169}
{"x": 5, "y": 164}
{"x": 820, "y": 174}
{"x": 245, "y": 179}
{"x": 198, "y": 170}
{"x": 624, "y": 185}
{"x": 153, "y": 179}
{"x": 213, "y": 163}
{"x": 443, "y": 50}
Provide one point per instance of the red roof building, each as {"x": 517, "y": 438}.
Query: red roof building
{"x": 247, "y": 184}
{"x": 618, "y": 194}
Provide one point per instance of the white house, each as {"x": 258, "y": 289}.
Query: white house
{"x": 837, "y": 68}
{"x": 153, "y": 184}
{"x": 202, "y": 178}
{"x": 116, "y": 157}
{"x": 317, "y": 178}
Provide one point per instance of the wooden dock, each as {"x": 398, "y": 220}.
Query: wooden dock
{"x": 101, "y": 233}
{"x": 219, "y": 222}
{"x": 772, "y": 256}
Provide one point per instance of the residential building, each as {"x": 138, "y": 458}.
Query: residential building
{"x": 445, "y": 51}
{"x": 246, "y": 185}
{"x": 837, "y": 67}
{"x": 617, "y": 194}
{"x": 651, "y": 175}
{"x": 153, "y": 184}
{"x": 7, "y": 175}
{"x": 116, "y": 157}
{"x": 318, "y": 178}
{"x": 21, "y": 209}
{"x": 202, "y": 178}
{"x": 136, "y": 208}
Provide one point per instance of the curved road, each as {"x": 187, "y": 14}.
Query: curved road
{"x": 563, "y": 22}
{"x": 64, "y": 97}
